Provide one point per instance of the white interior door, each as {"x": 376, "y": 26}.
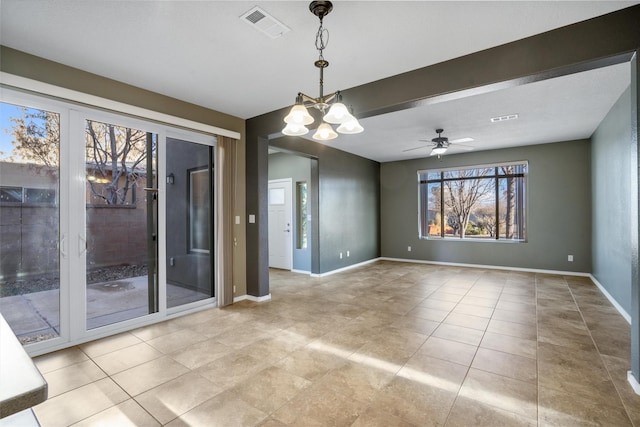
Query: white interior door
{"x": 280, "y": 224}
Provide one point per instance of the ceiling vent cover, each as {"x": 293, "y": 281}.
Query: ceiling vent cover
{"x": 265, "y": 23}
{"x": 503, "y": 118}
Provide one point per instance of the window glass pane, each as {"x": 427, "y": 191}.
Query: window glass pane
{"x": 431, "y": 220}
{"x": 301, "y": 215}
{"x": 11, "y": 194}
{"x": 482, "y": 220}
{"x": 433, "y": 175}
{"x": 29, "y": 232}
{"x": 451, "y": 174}
{"x": 199, "y": 210}
{"x": 40, "y": 195}
{"x": 120, "y": 250}
{"x": 469, "y": 173}
{"x": 276, "y": 196}
{"x": 189, "y": 222}
{"x": 462, "y": 197}
{"x": 511, "y": 208}
{"x": 520, "y": 168}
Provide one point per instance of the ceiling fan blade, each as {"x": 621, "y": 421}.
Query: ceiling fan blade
{"x": 416, "y": 148}
{"x": 461, "y": 147}
{"x": 455, "y": 141}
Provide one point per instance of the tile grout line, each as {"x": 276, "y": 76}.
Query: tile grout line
{"x": 119, "y": 386}
{"x": 474, "y": 354}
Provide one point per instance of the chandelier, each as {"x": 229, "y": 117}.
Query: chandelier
{"x": 298, "y": 118}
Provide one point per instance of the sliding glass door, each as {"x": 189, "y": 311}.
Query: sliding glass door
{"x": 189, "y": 222}
{"x": 30, "y": 232}
{"x": 106, "y": 221}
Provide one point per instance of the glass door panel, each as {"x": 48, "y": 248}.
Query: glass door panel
{"x": 121, "y": 196}
{"x": 189, "y": 216}
{"x": 30, "y": 222}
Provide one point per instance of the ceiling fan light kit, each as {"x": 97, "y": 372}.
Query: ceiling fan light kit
{"x": 338, "y": 113}
{"x": 438, "y": 150}
{"x": 441, "y": 144}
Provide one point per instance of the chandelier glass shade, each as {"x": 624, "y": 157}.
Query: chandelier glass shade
{"x": 331, "y": 107}
{"x": 293, "y": 129}
{"x": 325, "y": 132}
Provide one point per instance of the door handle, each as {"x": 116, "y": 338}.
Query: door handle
{"x": 63, "y": 246}
{"x": 82, "y": 245}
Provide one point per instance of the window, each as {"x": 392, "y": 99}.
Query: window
{"x": 478, "y": 202}
{"x": 11, "y": 194}
{"x": 28, "y": 195}
{"x": 276, "y": 196}
{"x": 40, "y": 195}
{"x": 301, "y": 215}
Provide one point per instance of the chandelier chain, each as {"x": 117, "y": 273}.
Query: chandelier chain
{"x": 322, "y": 39}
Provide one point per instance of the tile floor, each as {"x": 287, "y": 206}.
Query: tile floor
{"x": 389, "y": 344}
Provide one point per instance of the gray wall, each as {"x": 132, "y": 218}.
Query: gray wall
{"x": 611, "y": 153}
{"x": 558, "y": 210}
{"x": 281, "y": 166}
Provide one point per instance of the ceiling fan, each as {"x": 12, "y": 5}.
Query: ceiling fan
{"x": 441, "y": 144}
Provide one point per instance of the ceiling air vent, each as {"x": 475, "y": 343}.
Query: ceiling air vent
{"x": 265, "y": 23}
{"x": 503, "y": 118}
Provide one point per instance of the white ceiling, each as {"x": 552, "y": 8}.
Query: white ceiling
{"x": 201, "y": 52}
{"x": 560, "y": 109}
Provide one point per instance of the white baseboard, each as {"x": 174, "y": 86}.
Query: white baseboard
{"x": 491, "y": 267}
{"x": 252, "y": 298}
{"x": 301, "y": 271}
{"x": 618, "y": 307}
{"x": 634, "y": 382}
{"x": 349, "y": 267}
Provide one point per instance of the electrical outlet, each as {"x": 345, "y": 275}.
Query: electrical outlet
{"x": 408, "y": 248}
{"x": 570, "y": 258}
{"x": 347, "y": 254}
{"x": 340, "y": 255}
{"x": 172, "y": 261}
{"x": 234, "y": 289}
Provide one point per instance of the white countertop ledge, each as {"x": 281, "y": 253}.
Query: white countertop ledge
{"x": 21, "y": 384}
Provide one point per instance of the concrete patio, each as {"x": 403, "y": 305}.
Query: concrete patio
{"x": 35, "y": 316}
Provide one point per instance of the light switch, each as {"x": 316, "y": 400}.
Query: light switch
{"x": 252, "y": 219}
{"x": 237, "y": 219}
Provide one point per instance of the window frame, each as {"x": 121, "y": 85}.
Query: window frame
{"x": 521, "y": 203}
